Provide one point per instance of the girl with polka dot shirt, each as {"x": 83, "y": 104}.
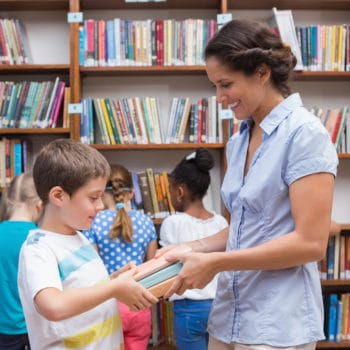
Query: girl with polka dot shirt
{"x": 122, "y": 235}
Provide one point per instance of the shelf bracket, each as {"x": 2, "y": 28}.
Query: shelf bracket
{"x": 223, "y": 18}
{"x": 75, "y": 17}
{"x": 75, "y": 108}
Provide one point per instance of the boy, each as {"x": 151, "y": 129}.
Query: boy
{"x": 65, "y": 290}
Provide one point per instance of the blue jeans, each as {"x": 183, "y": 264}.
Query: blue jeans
{"x": 190, "y": 324}
{"x": 14, "y": 342}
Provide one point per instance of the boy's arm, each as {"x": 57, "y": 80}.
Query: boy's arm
{"x": 57, "y": 305}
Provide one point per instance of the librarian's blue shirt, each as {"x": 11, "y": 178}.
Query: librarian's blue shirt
{"x": 278, "y": 307}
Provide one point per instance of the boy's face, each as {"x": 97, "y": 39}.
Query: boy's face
{"x": 81, "y": 208}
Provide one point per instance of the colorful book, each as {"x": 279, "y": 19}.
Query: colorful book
{"x": 157, "y": 274}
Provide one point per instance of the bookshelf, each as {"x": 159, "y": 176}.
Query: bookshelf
{"x": 86, "y": 81}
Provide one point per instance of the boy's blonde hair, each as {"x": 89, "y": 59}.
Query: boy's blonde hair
{"x": 20, "y": 191}
{"x": 68, "y": 164}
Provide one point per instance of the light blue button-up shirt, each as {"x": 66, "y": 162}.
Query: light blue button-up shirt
{"x": 278, "y": 307}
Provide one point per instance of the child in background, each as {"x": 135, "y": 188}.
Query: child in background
{"x": 20, "y": 210}
{"x": 123, "y": 235}
{"x": 188, "y": 184}
{"x": 66, "y": 292}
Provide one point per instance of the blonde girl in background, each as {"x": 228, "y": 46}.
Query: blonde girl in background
{"x": 121, "y": 236}
{"x": 20, "y": 210}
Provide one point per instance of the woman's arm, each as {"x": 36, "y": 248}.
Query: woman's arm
{"x": 311, "y": 204}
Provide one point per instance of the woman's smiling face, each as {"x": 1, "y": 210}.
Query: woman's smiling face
{"x": 243, "y": 94}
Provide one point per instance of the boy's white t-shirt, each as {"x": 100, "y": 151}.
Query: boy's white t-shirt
{"x": 182, "y": 227}
{"x": 48, "y": 259}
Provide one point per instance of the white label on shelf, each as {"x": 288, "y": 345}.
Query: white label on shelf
{"x": 75, "y": 17}
{"x": 223, "y": 18}
{"x": 226, "y": 114}
{"x": 75, "y": 108}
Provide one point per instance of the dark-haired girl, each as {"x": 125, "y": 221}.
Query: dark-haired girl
{"x": 188, "y": 184}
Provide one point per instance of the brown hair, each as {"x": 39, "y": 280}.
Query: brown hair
{"x": 19, "y": 191}
{"x": 245, "y": 45}
{"x": 121, "y": 181}
{"x": 68, "y": 164}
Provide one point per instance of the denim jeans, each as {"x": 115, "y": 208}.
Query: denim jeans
{"x": 190, "y": 324}
{"x": 14, "y": 342}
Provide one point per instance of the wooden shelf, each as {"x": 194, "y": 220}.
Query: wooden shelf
{"x": 33, "y": 68}
{"x": 215, "y": 4}
{"x": 344, "y": 155}
{"x": 34, "y": 5}
{"x": 321, "y": 75}
{"x": 169, "y": 4}
{"x": 333, "y": 345}
{"x": 172, "y": 146}
{"x": 36, "y": 131}
{"x": 142, "y": 70}
{"x": 289, "y": 4}
{"x": 335, "y": 286}
{"x": 198, "y": 70}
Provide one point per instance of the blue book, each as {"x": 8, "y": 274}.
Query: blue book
{"x": 332, "y": 317}
{"x": 161, "y": 275}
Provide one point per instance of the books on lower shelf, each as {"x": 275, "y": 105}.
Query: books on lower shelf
{"x": 154, "y": 199}
{"x": 14, "y": 158}
{"x": 336, "y": 264}
{"x": 337, "y": 322}
{"x": 139, "y": 120}
{"x": 337, "y": 122}
{"x": 31, "y": 104}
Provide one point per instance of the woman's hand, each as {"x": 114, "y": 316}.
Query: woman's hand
{"x": 197, "y": 271}
{"x": 130, "y": 265}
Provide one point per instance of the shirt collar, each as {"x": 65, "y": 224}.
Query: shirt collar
{"x": 276, "y": 116}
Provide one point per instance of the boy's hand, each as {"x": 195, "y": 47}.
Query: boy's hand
{"x": 131, "y": 293}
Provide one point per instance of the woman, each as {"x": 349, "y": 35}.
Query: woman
{"x": 278, "y": 188}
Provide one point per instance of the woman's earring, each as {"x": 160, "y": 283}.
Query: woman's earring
{"x": 179, "y": 199}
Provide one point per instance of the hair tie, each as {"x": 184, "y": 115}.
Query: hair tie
{"x": 120, "y": 205}
{"x": 191, "y": 156}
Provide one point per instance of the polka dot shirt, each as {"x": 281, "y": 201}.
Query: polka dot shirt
{"x": 116, "y": 253}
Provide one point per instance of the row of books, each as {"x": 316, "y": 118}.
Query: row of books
{"x": 14, "y": 158}
{"x": 138, "y": 121}
{"x": 118, "y": 42}
{"x": 152, "y": 194}
{"x": 316, "y": 47}
{"x": 13, "y": 42}
{"x": 162, "y": 324}
{"x": 325, "y": 47}
{"x": 336, "y": 263}
{"x": 32, "y": 104}
{"x": 337, "y": 122}
{"x": 337, "y": 322}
